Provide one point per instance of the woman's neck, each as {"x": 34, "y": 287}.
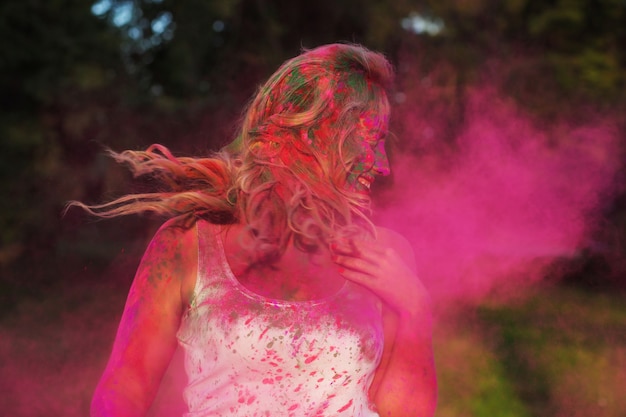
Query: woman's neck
{"x": 297, "y": 276}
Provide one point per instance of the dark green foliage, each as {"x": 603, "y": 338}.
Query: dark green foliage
{"x": 73, "y": 82}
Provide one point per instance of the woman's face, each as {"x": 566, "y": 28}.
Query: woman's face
{"x": 371, "y": 158}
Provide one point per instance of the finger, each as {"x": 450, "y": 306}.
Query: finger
{"x": 359, "y": 277}
{"x": 361, "y": 265}
{"x": 366, "y": 281}
{"x": 372, "y": 248}
{"x": 358, "y": 250}
{"x": 354, "y": 276}
{"x": 344, "y": 247}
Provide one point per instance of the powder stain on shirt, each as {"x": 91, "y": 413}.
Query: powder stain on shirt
{"x": 237, "y": 345}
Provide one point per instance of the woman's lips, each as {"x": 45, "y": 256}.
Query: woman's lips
{"x": 366, "y": 181}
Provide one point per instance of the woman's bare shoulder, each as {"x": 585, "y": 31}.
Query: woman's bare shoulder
{"x": 390, "y": 235}
{"x": 172, "y": 245}
{"x": 172, "y": 255}
{"x": 394, "y": 240}
{"x": 177, "y": 228}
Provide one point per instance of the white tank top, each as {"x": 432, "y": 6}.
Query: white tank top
{"x": 247, "y": 355}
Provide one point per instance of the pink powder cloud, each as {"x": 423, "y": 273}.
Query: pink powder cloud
{"x": 491, "y": 211}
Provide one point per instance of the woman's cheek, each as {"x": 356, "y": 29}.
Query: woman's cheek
{"x": 365, "y": 162}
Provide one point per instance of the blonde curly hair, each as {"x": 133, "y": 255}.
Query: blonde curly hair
{"x": 284, "y": 175}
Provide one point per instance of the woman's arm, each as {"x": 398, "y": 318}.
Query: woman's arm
{"x": 407, "y": 380}
{"x": 146, "y": 337}
{"x": 405, "y": 383}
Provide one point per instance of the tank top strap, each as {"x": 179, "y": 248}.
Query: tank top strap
{"x": 207, "y": 247}
{"x": 210, "y": 275}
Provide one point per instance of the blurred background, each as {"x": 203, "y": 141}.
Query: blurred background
{"x": 533, "y": 323}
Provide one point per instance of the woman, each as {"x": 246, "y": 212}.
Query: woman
{"x": 285, "y": 298}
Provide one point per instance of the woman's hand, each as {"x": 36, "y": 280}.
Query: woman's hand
{"x": 405, "y": 383}
{"x": 387, "y": 268}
